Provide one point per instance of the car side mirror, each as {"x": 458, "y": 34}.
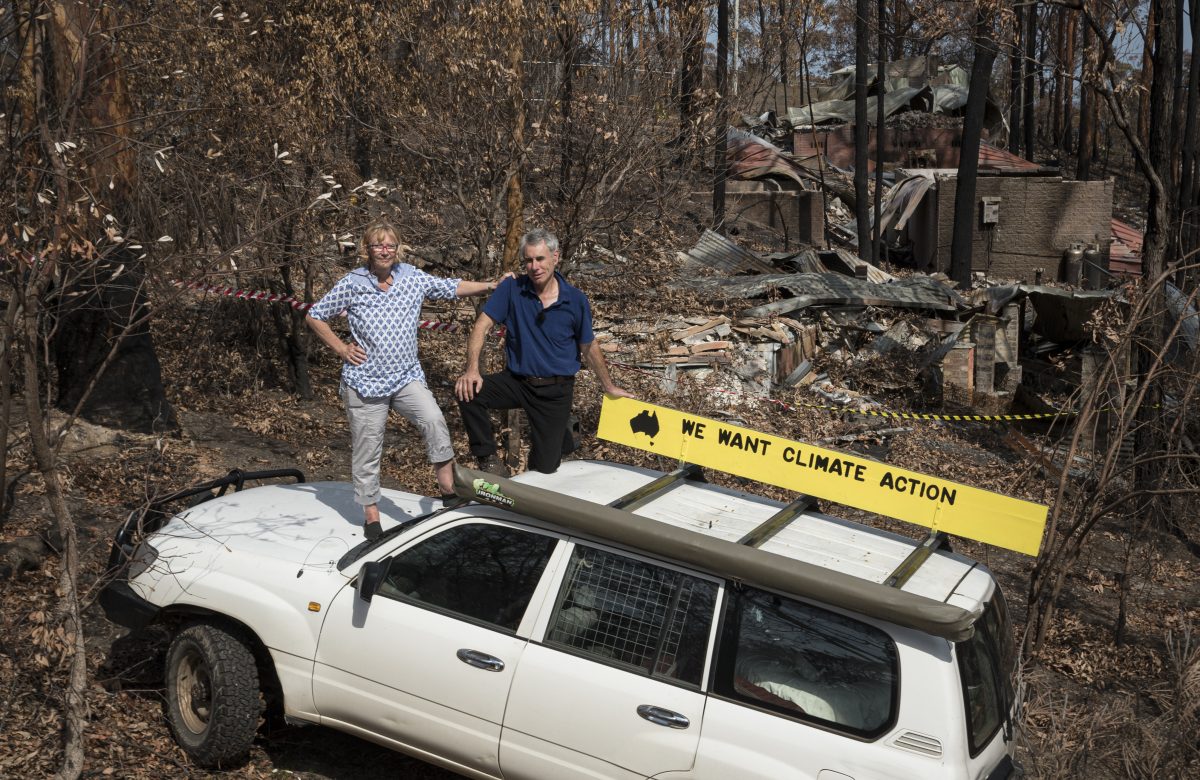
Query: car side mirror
{"x": 370, "y": 577}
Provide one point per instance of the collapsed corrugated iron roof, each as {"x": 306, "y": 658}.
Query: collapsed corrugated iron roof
{"x": 1125, "y": 254}
{"x": 751, "y": 157}
{"x": 914, "y": 84}
{"x": 832, "y": 289}
{"x": 715, "y": 251}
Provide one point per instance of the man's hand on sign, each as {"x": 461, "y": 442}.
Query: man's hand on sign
{"x": 618, "y": 392}
{"x": 352, "y": 354}
{"x": 468, "y": 385}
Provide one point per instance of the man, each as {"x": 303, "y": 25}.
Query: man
{"x": 549, "y": 326}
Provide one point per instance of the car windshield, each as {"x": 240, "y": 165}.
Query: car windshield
{"x": 365, "y": 546}
{"x": 986, "y": 664}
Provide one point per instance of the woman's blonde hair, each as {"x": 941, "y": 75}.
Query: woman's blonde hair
{"x": 371, "y": 235}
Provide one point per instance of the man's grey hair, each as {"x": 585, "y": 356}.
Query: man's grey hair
{"x": 538, "y": 236}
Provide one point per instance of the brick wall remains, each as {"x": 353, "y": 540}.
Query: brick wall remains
{"x": 1040, "y": 217}
{"x": 793, "y": 213}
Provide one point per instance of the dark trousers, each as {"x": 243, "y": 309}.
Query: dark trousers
{"x": 548, "y": 408}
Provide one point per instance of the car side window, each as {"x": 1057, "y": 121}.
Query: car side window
{"x": 649, "y": 619}
{"x": 480, "y": 571}
{"x": 806, "y": 662}
{"x": 985, "y": 669}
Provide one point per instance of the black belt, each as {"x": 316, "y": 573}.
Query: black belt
{"x": 542, "y": 381}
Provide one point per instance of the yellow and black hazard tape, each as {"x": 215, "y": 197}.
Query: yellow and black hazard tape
{"x": 874, "y": 412}
{"x": 940, "y": 417}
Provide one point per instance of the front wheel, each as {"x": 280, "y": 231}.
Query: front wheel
{"x": 213, "y": 701}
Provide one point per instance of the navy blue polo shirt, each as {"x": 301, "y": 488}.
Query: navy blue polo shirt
{"x": 541, "y": 342}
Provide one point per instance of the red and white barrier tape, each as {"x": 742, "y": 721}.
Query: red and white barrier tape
{"x": 269, "y": 297}
{"x": 247, "y": 295}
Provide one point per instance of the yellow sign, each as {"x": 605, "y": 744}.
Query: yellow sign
{"x": 835, "y": 476}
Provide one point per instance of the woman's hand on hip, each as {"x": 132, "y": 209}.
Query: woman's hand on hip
{"x": 352, "y": 354}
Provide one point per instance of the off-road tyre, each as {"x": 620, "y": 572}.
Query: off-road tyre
{"x": 213, "y": 700}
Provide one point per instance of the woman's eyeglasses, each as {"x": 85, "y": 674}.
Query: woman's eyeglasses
{"x": 383, "y": 247}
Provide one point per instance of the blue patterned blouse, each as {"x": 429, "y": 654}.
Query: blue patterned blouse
{"x": 384, "y": 324}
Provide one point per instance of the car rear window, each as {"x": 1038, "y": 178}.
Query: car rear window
{"x": 805, "y": 662}
{"x": 985, "y": 665}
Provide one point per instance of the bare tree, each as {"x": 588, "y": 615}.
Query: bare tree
{"x": 720, "y": 160}
{"x": 1016, "y": 61}
{"x": 862, "y": 63}
{"x": 968, "y": 163}
{"x": 1114, "y": 490}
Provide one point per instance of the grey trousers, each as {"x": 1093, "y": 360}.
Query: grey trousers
{"x": 368, "y": 420}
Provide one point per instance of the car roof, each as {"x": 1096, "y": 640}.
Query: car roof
{"x": 841, "y": 547}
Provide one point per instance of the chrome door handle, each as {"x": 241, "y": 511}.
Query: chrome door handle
{"x": 663, "y": 717}
{"x": 480, "y": 660}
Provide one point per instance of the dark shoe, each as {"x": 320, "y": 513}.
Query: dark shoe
{"x": 372, "y": 531}
{"x": 493, "y": 465}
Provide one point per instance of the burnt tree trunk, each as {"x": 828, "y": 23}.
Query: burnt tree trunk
{"x": 1189, "y": 185}
{"x": 783, "y": 46}
{"x": 1157, "y": 254}
{"x": 1087, "y": 128}
{"x": 1014, "y": 82}
{"x": 1059, "y": 76}
{"x": 1068, "y": 98}
{"x": 8, "y": 345}
{"x": 880, "y": 130}
{"x": 691, "y": 66}
{"x": 1029, "y": 109}
{"x": 1146, "y": 78}
{"x": 720, "y": 150}
{"x": 862, "y": 53}
{"x": 289, "y": 321}
{"x": 99, "y": 312}
{"x": 968, "y": 163}
{"x": 102, "y": 311}
{"x": 74, "y": 703}
{"x": 1160, "y": 211}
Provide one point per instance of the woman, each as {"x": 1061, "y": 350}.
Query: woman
{"x": 380, "y": 367}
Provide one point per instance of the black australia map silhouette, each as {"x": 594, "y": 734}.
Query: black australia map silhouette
{"x": 645, "y": 422}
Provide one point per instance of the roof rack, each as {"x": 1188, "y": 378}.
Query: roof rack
{"x": 738, "y": 562}
{"x": 643, "y": 495}
{"x": 648, "y": 492}
{"x": 778, "y": 521}
{"x": 765, "y": 530}
{"x": 908, "y": 567}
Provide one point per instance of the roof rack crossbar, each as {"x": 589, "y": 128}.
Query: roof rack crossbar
{"x": 908, "y": 567}
{"x": 778, "y": 521}
{"x": 724, "y": 559}
{"x": 651, "y": 490}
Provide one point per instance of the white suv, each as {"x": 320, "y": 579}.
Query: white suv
{"x": 605, "y": 621}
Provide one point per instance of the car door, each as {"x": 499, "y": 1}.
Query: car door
{"x": 614, "y": 687}
{"x": 427, "y": 663}
{"x": 801, "y": 692}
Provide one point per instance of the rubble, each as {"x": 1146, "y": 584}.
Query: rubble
{"x": 819, "y": 320}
